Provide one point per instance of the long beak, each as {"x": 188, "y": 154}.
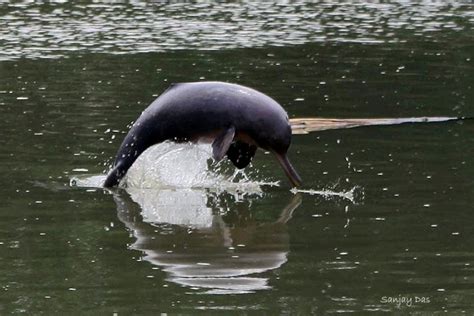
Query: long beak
{"x": 289, "y": 170}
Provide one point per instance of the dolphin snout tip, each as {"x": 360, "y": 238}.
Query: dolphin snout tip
{"x": 289, "y": 170}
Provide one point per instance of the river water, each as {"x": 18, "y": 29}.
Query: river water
{"x": 381, "y": 223}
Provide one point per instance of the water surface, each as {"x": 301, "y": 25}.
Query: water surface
{"x": 73, "y": 76}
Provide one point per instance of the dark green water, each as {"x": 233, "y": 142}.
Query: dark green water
{"x": 73, "y": 76}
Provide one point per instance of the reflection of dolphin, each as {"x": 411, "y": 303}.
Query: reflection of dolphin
{"x": 198, "y": 248}
{"x": 234, "y": 118}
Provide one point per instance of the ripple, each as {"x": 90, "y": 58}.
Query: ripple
{"x": 52, "y": 30}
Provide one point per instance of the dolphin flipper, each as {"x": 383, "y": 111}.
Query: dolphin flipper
{"x": 221, "y": 144}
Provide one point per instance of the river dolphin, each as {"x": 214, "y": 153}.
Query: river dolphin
{"x": 235, "y": 119}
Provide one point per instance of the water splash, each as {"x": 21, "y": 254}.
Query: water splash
{"x": 87, "y": 181}
{"x": 171, "y": 166}
{"x": 354, "y": 195}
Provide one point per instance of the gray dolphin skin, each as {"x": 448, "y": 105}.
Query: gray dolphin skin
{"x": 236, "y": 119}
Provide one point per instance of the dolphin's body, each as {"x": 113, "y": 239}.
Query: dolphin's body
{"x": 236, "y": 119}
